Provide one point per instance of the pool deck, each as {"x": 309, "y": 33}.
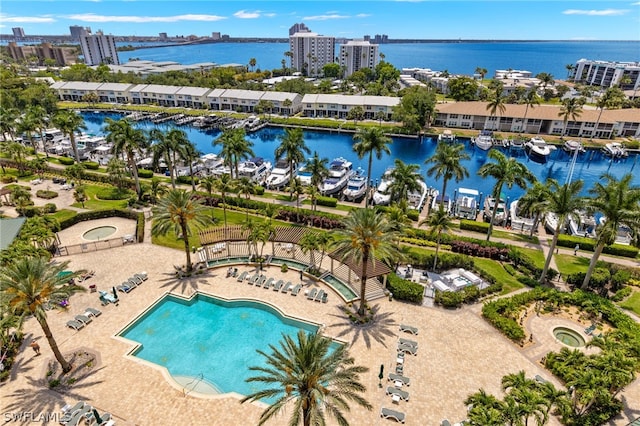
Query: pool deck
{"x": 458, "y": 354}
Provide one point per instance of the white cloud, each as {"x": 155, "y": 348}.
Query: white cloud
{"x": 363, "y": 15}
{"x": 91, "y": 17}
{"x": 27, "y": 19}
{"x": 604, "y": 12}
{"x": 243, "y": 14}
{"x": 324, "y": 17}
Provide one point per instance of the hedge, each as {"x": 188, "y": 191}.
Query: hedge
{"x": 66, "y": 161}
{"x": 145, "y": 173}
{"x": 46, "y": 194}
{"x": 589, "y": 244}
{"x": 326, "y": 201}
{"x": 91, "y": 165}
{"x": 472, "y": 225}
{"x": 404, "y": 290}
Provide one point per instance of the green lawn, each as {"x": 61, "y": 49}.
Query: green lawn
{"x": 63, "y": 214}
{"x": 495, "y": 269}
{"x": 536, "y": 255}
{"x": 632, "y": 303}
{"x": 93, "y": 203}
{"x": 569, "y": 264}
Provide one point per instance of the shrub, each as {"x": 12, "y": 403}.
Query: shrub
{"x": 472, "y": 225}
{"x": 46, "y": 194}
{"x": 589, "y": 245}
{"x": 404, "y": 289}
{"x": 528, "y": 281}
{"x": 258, "y": 190}
{"x": 66, "y": 161}
{"x": 91, "y": 165}
{"x": 112, "y": 194}
{"x": 186, "y": 180}
{"x": 145, "y": 173}
{"x": 98, "y": 214}
{"x": 326, "y": 201}
{"x": 49, "y": 208}
{"x": 140, "y": 227}
{"x": 29, "y": 211}
{"x": 449, "y": 299}
{"x": 622, "y": 294}
{"x": 414, "y": 215}
{"x": 8, "y": 179}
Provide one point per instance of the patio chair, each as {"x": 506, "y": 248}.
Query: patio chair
{"x": 296, "y": 289}
{"x": 325, "y": 297}
{"x": 254, "y": 279}
{"x": 277, "y": 285}
{"x": 68, "y": 411}
{"x": 408, "y": 329}
{"x": 319, "y": 296}
{"x": 388, "y": 413}
{"x": 288, "y": 286}
{"x": 409, "y": 342}
{"x": 92, "y": 312}
{"x": 407, "y": 349}
{"x": 142, "y": 275}
{"x": 398, "y": 378}
{"x": 83, "y": 319}
{"x": 75, "y": 324}
{"x": 132, "y": 283}
{"x": 261, "y": 281}
{"x": 124, "y": 287}
{"x": 395, "y": 391}
{"x": 312, "y": 294}
{"x": 79, "y": 416}
{"x": 242, "y": 276}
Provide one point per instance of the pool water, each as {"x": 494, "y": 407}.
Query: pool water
{"x": 340, "y": 287}
{"x": 211, "y": 338}
{"x": 568, "y": 337}
{"x": 99, "y": 233}
{"x": 290, "y": 263}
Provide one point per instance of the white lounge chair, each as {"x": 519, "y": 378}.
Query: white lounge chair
{"x": 395, "y": 391}
{"x": 242, "y": 276}
{"x": 319, "y": 296}
{"x": 388, "y": 413}
{"x": 92, "y": 312}
{"x": 408, "y": 342}
{"x": 83, "y": 319}
{"x": 312, "y": 294}
{"x": 408, "y": 329}
{"x": 398, "y": 378}
{"x": 288, "y": 286}
{"x": 402, "y": 347}
{"x": 75, "y": 324}
{"x": 296, "y": 289}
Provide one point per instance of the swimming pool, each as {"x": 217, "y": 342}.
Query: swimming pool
{"x": 290, "y": 263}
{"x": 345, "y": 291}
{"x": 211, "y": 339}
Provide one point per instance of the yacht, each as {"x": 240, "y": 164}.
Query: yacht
{"x": 614, "y": 150}
{"x": 340, "y": 170}
{"x": 415, "y": 199}
{"x": 382, "y": 196}
{"x": 519, "y": 222}
{"x": 572, "y": 146}
{"x": 582, "y": 224}
{"x": 538, "y": 149}
{"x": 210, "y": 162}
{"x": 517, "y": 143}
{"x": 256, "y": 169}
{"x": 466, "y": 204}
{"x": 484, "y": 140}
{"x": 446, "y": 136}
{"x": 501, "y": 212}
{"x": 356, "y": 186}
{"x": 280, "y": 175}
{"x": 304, "y": 176}
{"x": 551, "y": 222}
{"x": 437, "y": 198}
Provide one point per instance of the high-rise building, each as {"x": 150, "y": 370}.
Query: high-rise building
{"x": 18, "y": 32}
{"x": 607, "y": 74}
{"x": 61, "y": 55}
{"x": 381, "y": 39}
{"x": 358, "y": 54}
{"x": 163, "y": 36}
{"x": 311, "y": 52}
{"x": 77, "y": 31}
{"x": 215, "y": 35}
{"x": 299, "y": 28}
{"x": 99, "y": 48}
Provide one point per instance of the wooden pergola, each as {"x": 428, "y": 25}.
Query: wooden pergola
{"x": 221, "y": 234}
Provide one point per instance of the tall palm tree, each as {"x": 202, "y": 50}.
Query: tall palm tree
{"x": 619, "y": 203}
{"x": 546, "y": 79}
{"x": 224, "y": 185}
{"x": 438, "y": 222}
{"x": 571, "y": 108}
{"x": 170, "y": 148}
{"x": 564, "y": 201}
{"x": 127, "y": 141}
{"x": 308, "y": 243}
{"x": 28, "y": 125}
{"x": 292, "y": 147}
{"x": 370, "y": 140}
{"x": 69, "y": 122}
{"x": 531, "y": 99}
{"x": 535, "y": 202}
{"x": 308, "y": 374}
{"x": 497, "y": 100}
{"x": 446, "y": 165}
{"x": 612, "y": 98}
{"x": 235, "y": 148}
{"x": 367, "y": 236}
{"x": 481, "y": 71}
{"x": 313, "y": 192}
{"x": 405, "y": 179}
{"x": 30, "y": 284}
{"x": 208, "y": 183}
{"x": 178, "y": 212}
{"x": 190, "y": 155}
{"x": 296, "y": 189}
{"x": 506, "y": 171}
{"x": 8, "y": 120}
{"x": 318, "y": 168}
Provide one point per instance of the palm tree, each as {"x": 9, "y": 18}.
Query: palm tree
{"x": 289, "y": 55}
{"x": 30, "y": 284}
{"x": 506, "y": 171}
{"x": 405, "y": 179}
{"x": 258, "y": 232}
{"x": 8, "y": 120}
{"x": 177, "y": 213}
{"x": 370, "y": 140}
{"x": 571, "y": 108}
{"x": 564, "y": 201}
{"x": 16, "y": 152}
{"x": 28, "y": 125}
{"x": 190, "y": 155}
{"x": 292, "y": 148}
{"x": 308, "y": 243}
{"x": 156, "y": 190}
{"x": 531, "y": 99}
{"x": 318, "y": 168}
{"x": 619, "y": 203}
{"x": 311, "y": 375}
{"x": 446, "y": 165}
{"x": 535, "y": 202}
{"x": 117, "y": 171}
{"x": 252, "y": 63}
{"x": 128, "y": 141}
{"x": 482, "y": 72}
{"x": 367, "y": 236}
{"x": 612, "y": 98}
{"x": 497, "y": 100}
{"x": 208, "y": 183}
{"x": 235, "y": 147}
{"x": 296, "y": 189}
{"x": 313, "y": 192}
{"x": 224, "y": 185}
{"x": 170, "y": 147}
{"x": 546, "y": 79}
{"x": 40, "y": 119}
{"x": 69, "y": 122}
{"x": 438, "y": 222}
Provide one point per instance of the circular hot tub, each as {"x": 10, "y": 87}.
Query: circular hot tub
{"x": 99, "y": 233}
{"x": 569, "y": 337}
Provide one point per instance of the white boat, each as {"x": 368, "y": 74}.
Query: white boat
{"x": 415, "y": 199}
{"x": 281, "y": 175}
{"x": 518, "y": 222}
{"x": 517, "y": 143}
{"x": 304, "y": 176}
{"x": 551, "y": 222}
{"x": 484, "y": 140}
{"x": 340, "y": 170}
{"x": 210, "y": 162}
{"x": 256, "y": 169}
{"x": 435, "y": 201}
{"x": 465, "y": 205}
{"x": 623, "y": 236}
{"x": 446, "y": 136}
{"x": 501, "y": 211}
{"x": 582, "y": 224}
{"x": 614, "y": 150}
{"x": 572, "y": 146}
{"x": 356, "y": 186}
{"x": 538, "y": 149}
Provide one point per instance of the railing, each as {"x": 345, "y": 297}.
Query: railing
{"x": 92, "y": 246}
{"x": 199, "y": 378}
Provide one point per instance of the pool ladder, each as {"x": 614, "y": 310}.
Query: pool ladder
{"x": 199, "y": 378}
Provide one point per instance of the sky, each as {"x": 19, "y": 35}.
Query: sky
{"x": 399, "y": 19}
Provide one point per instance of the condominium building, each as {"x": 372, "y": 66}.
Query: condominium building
{"x": 358, "y": 54}
{"x": 99, "y": 49}
{"x": 61, "y": 55}
{"x": 18, "y": 32}
{"x": 77, "y": 32}
{"x": 311, "y": 52}
{"x": 607, "y": 74}
{"x": 299, "y": 28}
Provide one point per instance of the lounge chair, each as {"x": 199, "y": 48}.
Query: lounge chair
{"x": 83, "y": 318}
{"x": 254, "y": 279}
{"x": 445, "y": 422}
{"x": 296, "y": 289}
{"x": 409, "y": 342}
{"x": 108, "y": 297}
{"x": 399, "y": 369}
{"x": 319, "y": 296}
{"x": 395, "y": 391}
{"x": 132, "y": 283}
{"x": 407, "y": 348}
{"x": 388, "y": 413}
{"x": 92, "y": 312}
{"x": 262, "y": 281}
{"x": 142, "y": 275}
{"x": 124, "y": 287}
{"x": 540, "y": 379}
{"x": 325, "y": 297}
{"x": 278, "y": 285}
{"x": 288, "y": 286}
{"x": 398, "y": 378}
{"x": 68, "y": 411}
{"x": 312, "y": 294}
{"x": 408, "y": 329}
{"x": 75, "y": 324}
{"x": 79, "y": 416}
{"x": 243, "y": 276}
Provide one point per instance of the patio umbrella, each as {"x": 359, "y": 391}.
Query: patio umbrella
{"x": 115, "y": 293}
{"x": 381, "y": 375}
{"x": 97, "y": 416}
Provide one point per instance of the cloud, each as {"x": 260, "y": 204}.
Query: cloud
{"x": 363, "y": 15}
{"x": 27, "y": 19}
{"x": 604, "y": 12}
{"x": 91, "y": 17}
{"x": 324, "y": 17}
{"x": 243, "y": 14}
